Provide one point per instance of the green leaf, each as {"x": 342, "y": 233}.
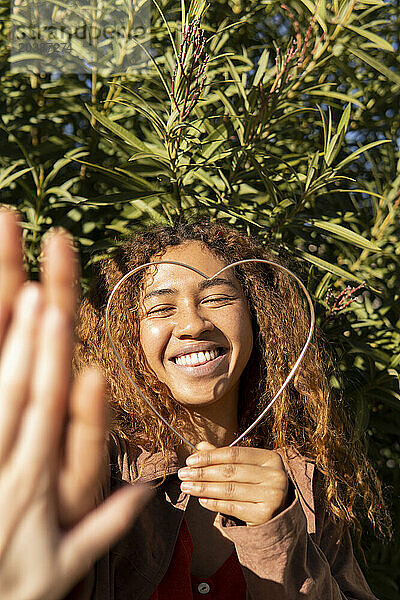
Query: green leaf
{"x": 337, "y": 95}
{"x": 261, "y": 67}
{"x": 146, "y": 111}
{"x": 222, "y": 208}
{"x": 62, "y": 162}
{"x": 312, "y": 170}
{"x": 121, "y": 176}
{"x": 171, "y": 37}
{"x": 6, "y": 181}
{"x": 121, "y": 198}
{"x": 375, "y": 64}
{"x": 336, "y": 142}
{"x": 345, "y": 234}
{"x": 344, "y": 120}
{"x": 213, "y": 141}
{"x": 25, "y": 56}
{"x": 238, "y": 82}
{"x": 355, "y": 190}
{"x": 356, "y": 153}
{"x": 369, "y": 35}
{"x": 326, "y": 266}
{"x": 130, "y": 138}
{"x": 61, "y": 193}
{"x": 312, "y": 7}
{"x": 146, "y": 208}
{"x": 323, "y": 286}
{"x": 239, "y": 128}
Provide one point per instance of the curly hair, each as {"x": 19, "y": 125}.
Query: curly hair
{"x": 307, "y": 417}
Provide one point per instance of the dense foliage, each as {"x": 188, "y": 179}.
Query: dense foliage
{"x": 280, "y": 119}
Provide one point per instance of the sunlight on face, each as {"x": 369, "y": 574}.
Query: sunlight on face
{"x": 196, "y": 334}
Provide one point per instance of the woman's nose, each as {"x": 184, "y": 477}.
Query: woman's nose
{"x": 191, "y": 323}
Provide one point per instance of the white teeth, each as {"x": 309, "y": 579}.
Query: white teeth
{"x": 196, "y": 358}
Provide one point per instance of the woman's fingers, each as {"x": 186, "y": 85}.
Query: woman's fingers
{"x": 43, "y": 419}
{"x": 43, "y": 428}
{"x": 12, "y": 274}
{"x": 84, "y": 451}
{"x": 98, "y": 530}
{"x": 252, "y": 513}
{"x": 233, "y": 455}
{"x": 60, "y": 272}
{"x": 247, "y": 483}
{"x": 228, "y": 472}
{"x": 228, "y": 490}
{"x": 16, "y": 364}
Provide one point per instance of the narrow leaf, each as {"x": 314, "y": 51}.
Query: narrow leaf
{"x": 121, "y": 132}
{"x": 347, "y": 235}
{"x": 375, "y": 64}
{"x": 261, "y": 68}
{"x": 8, "y": 180}
{"x": 337, "y": 95}
{"x": 356, "y": 153}
{"x": 369, "y": 35}
{"x": 326, "y": 266}
{"x": 345, "y": 118}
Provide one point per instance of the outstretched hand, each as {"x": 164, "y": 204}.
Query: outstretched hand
{"x": 52, "y": 432}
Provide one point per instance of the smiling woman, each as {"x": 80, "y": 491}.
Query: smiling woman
{"x": 267, "y": 519}
{"x": 210, "y": 354}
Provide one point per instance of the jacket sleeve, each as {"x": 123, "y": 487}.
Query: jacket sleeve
{"x": 281, "y": 560}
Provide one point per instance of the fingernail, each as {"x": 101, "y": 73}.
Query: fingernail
{"x": 59, "y": 232}
{"x": 192, "y": 459}
{"x": 30, "y": 297}
{"x": 186, "y": 486}
{"x": 186, "y": 473}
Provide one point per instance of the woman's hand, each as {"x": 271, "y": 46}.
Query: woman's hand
{"x": 247, "y": 483}
{"x": 52, "y": 433}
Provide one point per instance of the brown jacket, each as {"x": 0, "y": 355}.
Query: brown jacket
{"x": 299, "y": 554}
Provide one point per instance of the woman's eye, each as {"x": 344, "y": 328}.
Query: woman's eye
{"x": 218, "y": 299}
{"x": 159, "y": 311}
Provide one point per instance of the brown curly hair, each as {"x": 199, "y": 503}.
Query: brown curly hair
{"x": 306, "y": 417}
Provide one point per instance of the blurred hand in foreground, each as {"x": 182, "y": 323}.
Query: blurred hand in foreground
{"x": 52, "y": 432}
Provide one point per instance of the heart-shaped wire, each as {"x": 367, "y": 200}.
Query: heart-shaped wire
{"x": 234, "y": 264}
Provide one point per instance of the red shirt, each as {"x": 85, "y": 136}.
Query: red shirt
{"x": 228, "y": 583}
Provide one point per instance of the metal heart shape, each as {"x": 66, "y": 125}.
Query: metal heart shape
{"x": 230, "y": 266}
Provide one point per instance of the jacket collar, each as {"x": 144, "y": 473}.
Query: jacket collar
{"x": 135, "y": 463}
{"x": 299, "y": 469}
{"x": 151, "y": 467}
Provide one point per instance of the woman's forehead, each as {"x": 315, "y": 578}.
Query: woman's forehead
{"x": 191, "y": 254}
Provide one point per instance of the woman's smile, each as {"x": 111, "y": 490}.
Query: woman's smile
{"x": 200, "y": 362}
{"x": 195, "y": 332}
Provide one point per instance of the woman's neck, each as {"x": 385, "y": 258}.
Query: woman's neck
{"x": 216, "y": 427}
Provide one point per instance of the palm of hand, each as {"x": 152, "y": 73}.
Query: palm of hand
{"x": 51, "y": 432}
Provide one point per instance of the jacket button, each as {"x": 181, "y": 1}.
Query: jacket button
{"x": 203, "y": 588}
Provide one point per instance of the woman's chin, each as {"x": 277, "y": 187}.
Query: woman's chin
{"x": 192, "y": 402}
{"x": 195, "y": 402}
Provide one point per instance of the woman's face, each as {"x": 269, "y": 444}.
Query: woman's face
{"x": 196, "y": 334}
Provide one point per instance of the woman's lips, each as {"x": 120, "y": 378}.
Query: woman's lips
{"x": 205, "y": 368}
{"x": 194, "y": 359}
